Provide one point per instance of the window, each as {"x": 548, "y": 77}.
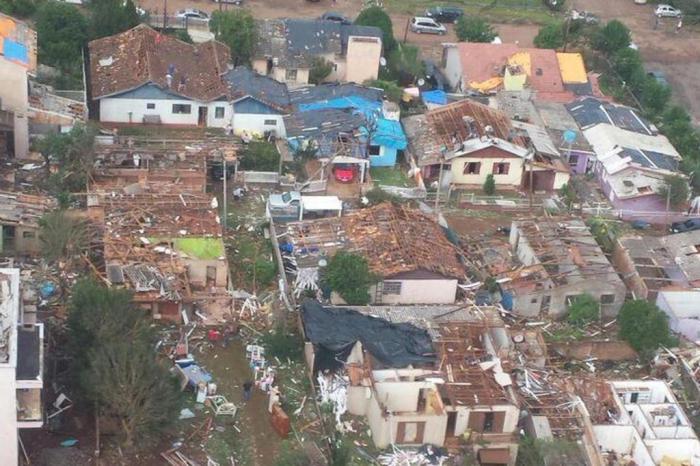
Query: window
{"x": 544, "y": 305}
{"x": 270, "y": 122}
{"x": 291, "y": 75}
{"x": 573, "y": 160}
{"x": 607, "y": 299}
{"x": 500, "y": 168}
{"x": 533, "y": 300}
{"x": 184, "y": 109}
{"x": 150, "y": 106}
{"x": 472, "y": 168}
{"x": 219, "y": 112}
{"x": 28, "y": 234}
{"x": 392, "y": 288}
{"x": 488, "y": 421}
{"x": 374, "y": 150}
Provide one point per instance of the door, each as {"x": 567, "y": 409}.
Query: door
{"x": 451, "y": 424}
{"x": 202, "y": 116}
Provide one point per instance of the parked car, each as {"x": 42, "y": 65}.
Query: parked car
{"x": 687, "y": 225}
{"x": 335, "y": 17}
{"x": 641, "y": 225}
{"x": 667, "y": 11}
{"x": 192, "y": 13}
{"x": 421, "y": 24}
{"x": 285, "y": 199}
{"x": 444, "y": 14}
{"x": 233, "y": 2}
{"x": 344, "y": 172}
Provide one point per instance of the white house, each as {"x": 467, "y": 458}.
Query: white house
{"x": 143, "y": 76}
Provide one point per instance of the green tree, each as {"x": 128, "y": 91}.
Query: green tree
{"x": 604, "y": 231}
{"x": 643, "y": 325}
{"x": 183, "y": 35}
{"x": 109, "y": 17}
{"x": 675, "y": 188}
{"x": 489, "y": 185}
{"x": 568, "y": 195}
{"x": 628, "y": 64}
{"x": 474, "y": 29}
{"x": 131, "y": 16}
{"x": 550, "y": 36}
{"x": 320, "y": 70}
{"x": 654, "y": 95}
{"x": 348, "y": 274}
{"x": 237, "y": 29}
{"x": 61, "y": 35}
{"x": 403, "y": 65}
{"x": 260, "y": 156}
{"x": 376, "y": 16}
{"x": 111, "y": 344}
{"x": 392, "y": 91}
{"x": 62, "y": 236}
{"x": 73, "y": 154}
{"x": 583, "y": 310}
{"x": 18, "y": 8}
{"x": 612, "y": 37}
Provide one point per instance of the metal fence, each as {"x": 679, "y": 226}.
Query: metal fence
{"x": 249, "y": 176}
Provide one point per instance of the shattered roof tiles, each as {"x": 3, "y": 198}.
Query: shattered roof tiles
{"x": 244, "y": 82}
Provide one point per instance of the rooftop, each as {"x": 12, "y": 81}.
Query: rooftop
{"x": 556, "y": 118}
{"x": 244, "y": 82}
{"x": 394, "y": 240}
{"x": 142, "y": 55}
{"x": 445, "y": 129}
{"x": 590, "y": 111}
{"x": 293, "y": 43}
{"x": 311, "y": 94}
{"x": 49, "y": 107}
{"x": 23, "y": 209}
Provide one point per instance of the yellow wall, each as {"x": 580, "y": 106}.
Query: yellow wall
{"x": 513, "y": 178}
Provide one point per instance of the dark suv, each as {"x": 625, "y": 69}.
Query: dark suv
{"x": 444, "y": 14}
{"x": 687, "y": 225}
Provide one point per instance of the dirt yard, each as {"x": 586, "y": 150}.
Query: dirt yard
{"x": 677, "y": 55}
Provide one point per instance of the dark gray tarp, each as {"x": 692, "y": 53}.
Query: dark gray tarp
{"x": 335, "y": 331}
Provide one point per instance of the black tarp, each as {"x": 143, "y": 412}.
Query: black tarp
{"x": 334, "y": 331}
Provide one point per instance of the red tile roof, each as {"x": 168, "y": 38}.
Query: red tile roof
{"x": 481, "y": 62}
{"x": 142, "y": 55}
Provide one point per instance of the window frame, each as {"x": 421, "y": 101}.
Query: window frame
{"x": 394, "y": 288}
{"x": 291, "y": 74}
{"x": 150, "y": 105}
{"x": 477, "y": 171}
{"x": 605, "y": 297}
{"x": 216, "y": 112}
{"x": 371, "y": 147}
{"x": 504, "y": 165}
{"x": 182, "y": 109}
{"x": 270, "y": 123}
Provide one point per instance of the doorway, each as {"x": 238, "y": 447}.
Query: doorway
{"x": 451, "y": 424}
{"x": 202, "y": 116}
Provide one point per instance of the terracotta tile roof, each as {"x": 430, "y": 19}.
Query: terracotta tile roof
{"x": 142, "y": 55}
{"x": 481, "y": 62}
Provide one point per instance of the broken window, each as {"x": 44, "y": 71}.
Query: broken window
{"x": 270, "y": 122}
{"x": 573, "y": 160}
{"x": 392, "y": 288}
{"x": 607, "y": 299}
{"x": 488, "y": 422}
{"x": 472, "y": 168}
{"x": 291, "y": 75}
{"x": 544, "y": 305}
{"x": 410, "y": 432}
{"x": 183, "y": 109}
{"x": 28, "y": 234}
{"x": 500, "y": 168}
{"x": 219, "y": 112}
{"x": 374, "y": 150}
{"x": 150, "y": 106}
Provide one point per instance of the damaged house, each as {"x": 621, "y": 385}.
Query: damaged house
{"x": 405, "y": 247}
{"x": 21, "y": 368}
{"x": 419, "y": 375}
{"x": 19, "y": 221}
{"x": 470, "y": 141}
{"x": 143, "y": 76}
{"x": 560, "y": 261}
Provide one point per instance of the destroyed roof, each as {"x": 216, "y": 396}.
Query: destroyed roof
{"x": 48, "y": 107}
{"x": 336, "y": 330}
{"x": 444, "y": 129}
{"x": 293, "y": 43}
{"x": 590, "y": 111}
{"x": 557, "y": 120}
{"x": 23, "y": 209}
{"x": 394, "y": 239}
{"x": 310, "y": 94}
{"x": 142, "y": 55}
{"x": 324, "y": 125}
{"x": 244, "y": 82}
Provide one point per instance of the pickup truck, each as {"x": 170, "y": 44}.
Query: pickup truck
{"x": 292, "y": 205}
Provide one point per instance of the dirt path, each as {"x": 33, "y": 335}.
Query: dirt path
{"x": 677, "y": 55}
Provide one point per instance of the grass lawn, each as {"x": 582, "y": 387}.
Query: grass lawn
{"x": 499, "y": 11}
{"x": 390, "y": 176}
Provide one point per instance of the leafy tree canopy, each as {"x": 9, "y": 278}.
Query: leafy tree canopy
{"x": 474, "y": 29}
{"x": 260, "y": 156}
{"x": 583, "y": 310}
{"x": 320, "y": 70}
{"x": 643, "y": 325}
{"x": 550, "y": 36}
{"x": 489, "y": 185}
{"x": 109, "y": 17}
{"x": 73, "y": 154}
{"x": 376, "y": 16}
{"x": 237, "y": 29}
{"x": 348, "y": 274}
{"x": 62, "y": 31}
{"x": 612, "y": 37}
{"x": 392, "y": 91}
{"x": 676, "y": 190}
{"x": 62, "y": 236}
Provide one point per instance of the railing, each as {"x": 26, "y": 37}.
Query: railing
{"x": 259, "y": 177}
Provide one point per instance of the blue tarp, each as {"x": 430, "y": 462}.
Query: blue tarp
{"x": 367, "y": 107}
{"x": 434, "y": 97}
{"x": 389, "y": 133}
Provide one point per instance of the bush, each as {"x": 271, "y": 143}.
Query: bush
{"x": 474, "y": 29}
{"x": 676, "y": 190}
{"x": 612, "y": 37}
{"x": 376, "y": 16}
{"x": 260, "y": 156}
{"x": 490, "y": 185}
{"x": 653, "y": 95}
{"x": 403, "y": 65}
{"x": 644, "y": 326}
{"x": 550, "y": 36}
{"x": 628, "y": 64}
{"x": 392, "y": 91}
{"x": 378, "y": 195}
{"x": 348, "y": 275}
{"x": 320, "y": 70}
{"x": 568, "y": 195}
{"x": 583, "y": 310}
{"x": 61, "y": 236}
{"x": 237, "y": 29}
{"x": 262, "y": 271}
{"x": 282, "y": 345}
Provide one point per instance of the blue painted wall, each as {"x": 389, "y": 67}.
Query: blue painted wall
{"x": 386, "y": 159}
{"x": 252, "y": 106}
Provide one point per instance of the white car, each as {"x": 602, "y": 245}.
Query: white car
{"x": 667, "y": 11}
{"x": 421, "y": 24}
{"x": 192, "y": 13}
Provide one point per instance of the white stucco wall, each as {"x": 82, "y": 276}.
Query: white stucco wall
{"x": 255, "y": 123}
{"x": 560, "y": 179}
{"x": 14, "y": 93}
{"x": 453, "y": 67}
{"x": 443, "y": 291}
{"x": 8, "y": 416}
{"x": 362, "y": 57}
{"x": 512, "y": 179}
{"x": 117, "y": 110}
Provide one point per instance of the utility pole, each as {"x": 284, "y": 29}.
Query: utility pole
{"x": 532, "y": 159}
{"x": 405, "y": 32}
{"x": 443, "y": 150}
{"x": 223, "y": 159}
{"x": 165, "y": 15}
{"x": 668, "y": 204}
